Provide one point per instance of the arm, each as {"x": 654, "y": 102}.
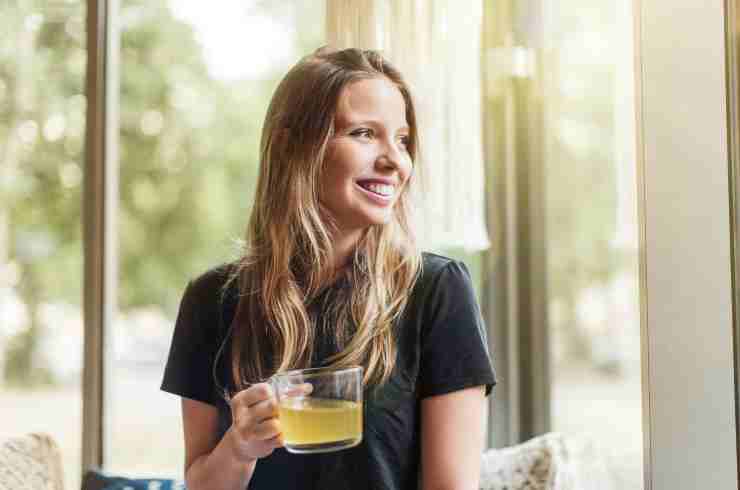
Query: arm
{"x": 228, "y": 464}
{"x": 208, "y": 462}
{"x": 452, "y": 440}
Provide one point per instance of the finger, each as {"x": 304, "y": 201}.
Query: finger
{"x": 299, "y": 390}
{"x": 266, "y": 409}
{"x": 247, "y": 418}
{"x": 254, "y": 394}
{"x": 276, "y": 441}
{"x": 260, "y": 449}
{"x": 269, "y": 429}
{"x": 244, "y": 421}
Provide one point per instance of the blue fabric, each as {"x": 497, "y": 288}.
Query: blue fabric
{"x": 98, "y": 480}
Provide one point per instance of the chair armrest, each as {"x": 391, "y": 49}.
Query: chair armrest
{"x": 548, "y": 462}
{"x": 31, "y": 462}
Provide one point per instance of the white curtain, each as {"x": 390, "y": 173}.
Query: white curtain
{"x": 436, "y": 45}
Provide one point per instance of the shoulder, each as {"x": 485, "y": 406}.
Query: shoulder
{"x": 210, "y": 284}
{"x": 438, "y": 271}
{"x": 199, "y": 338}
{"x": 442, "y": 279}
{"x": 432, "y": 263}
{"x": 205, "y": 305}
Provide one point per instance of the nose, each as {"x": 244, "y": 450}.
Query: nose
{"x": 391, "y": 157}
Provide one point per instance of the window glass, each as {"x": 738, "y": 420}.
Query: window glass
{"x": 591, "y": 226}
{"x": 195, "y": 83}
{"x": 42, "y": 128}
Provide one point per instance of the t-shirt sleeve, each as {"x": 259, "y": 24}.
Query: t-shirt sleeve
{"x": 454, "y": 350}
{"x": 189, "y": 368}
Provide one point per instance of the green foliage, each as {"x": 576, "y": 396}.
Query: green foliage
{"x": 20, "y": 369}
{"x": 42, "y": 65}
{"x": 188, "y": 155}
{"x": 582, "y": 163}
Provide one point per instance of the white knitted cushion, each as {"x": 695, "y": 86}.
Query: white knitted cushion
{"x": 547, "y": 462}
{"x": 30, "y": 462}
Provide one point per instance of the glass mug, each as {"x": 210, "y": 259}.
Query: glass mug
{"x": 320, "y": 409}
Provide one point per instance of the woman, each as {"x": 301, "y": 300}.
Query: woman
{"x": 330, "y": 276}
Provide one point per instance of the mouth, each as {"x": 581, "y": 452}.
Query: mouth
{"x": 379, "y": 193}
{"x": 383, "y": 190}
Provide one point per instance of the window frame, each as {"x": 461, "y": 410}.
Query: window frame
{"x": 97, "y": 307}
{"x": 684, "y": 214}
{"x": 732, "y": 60}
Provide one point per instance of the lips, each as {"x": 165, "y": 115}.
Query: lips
{"x": 378, "y": 194}
{"x": 380, "y": 187}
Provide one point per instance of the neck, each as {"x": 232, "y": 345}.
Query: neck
{"x": 344, "y": 247}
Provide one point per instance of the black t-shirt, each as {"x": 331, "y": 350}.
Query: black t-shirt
{"x": 441, "y": 348}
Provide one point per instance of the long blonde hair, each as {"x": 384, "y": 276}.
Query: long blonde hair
{"x": 287, "y": 261}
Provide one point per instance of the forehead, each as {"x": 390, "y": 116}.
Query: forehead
{"x": 374, "y": 98}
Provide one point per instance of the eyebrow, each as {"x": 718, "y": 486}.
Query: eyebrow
{"x": 374, "y": 122}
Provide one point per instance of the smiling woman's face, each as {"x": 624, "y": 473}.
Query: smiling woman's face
{"x": 367, "y": 164}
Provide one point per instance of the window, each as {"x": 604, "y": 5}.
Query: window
{"x": 562, "y": 185}
{"x": 194, "y": 86}
{"x": 42, "y": 129}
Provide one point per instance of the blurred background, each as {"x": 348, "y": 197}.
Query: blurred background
{"x": 195, "y": 80}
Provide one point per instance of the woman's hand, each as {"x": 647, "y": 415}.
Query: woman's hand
{"x": 255, "y": 431}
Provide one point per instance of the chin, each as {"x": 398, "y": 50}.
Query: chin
{"x": 380, "y": 220}
{"x": 362, "y": 220}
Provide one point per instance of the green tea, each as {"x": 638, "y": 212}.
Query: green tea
{"x": 312, "y": 422}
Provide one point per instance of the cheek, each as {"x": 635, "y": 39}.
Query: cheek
{"x": 334, "y": 180}
{"x": 341, "y": 167}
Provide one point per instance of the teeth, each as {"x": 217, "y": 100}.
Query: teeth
{"x": 382, "y": 189}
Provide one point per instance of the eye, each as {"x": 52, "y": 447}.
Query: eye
{"x": 405, "y": 141}
{"x": 363, "y": 132}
